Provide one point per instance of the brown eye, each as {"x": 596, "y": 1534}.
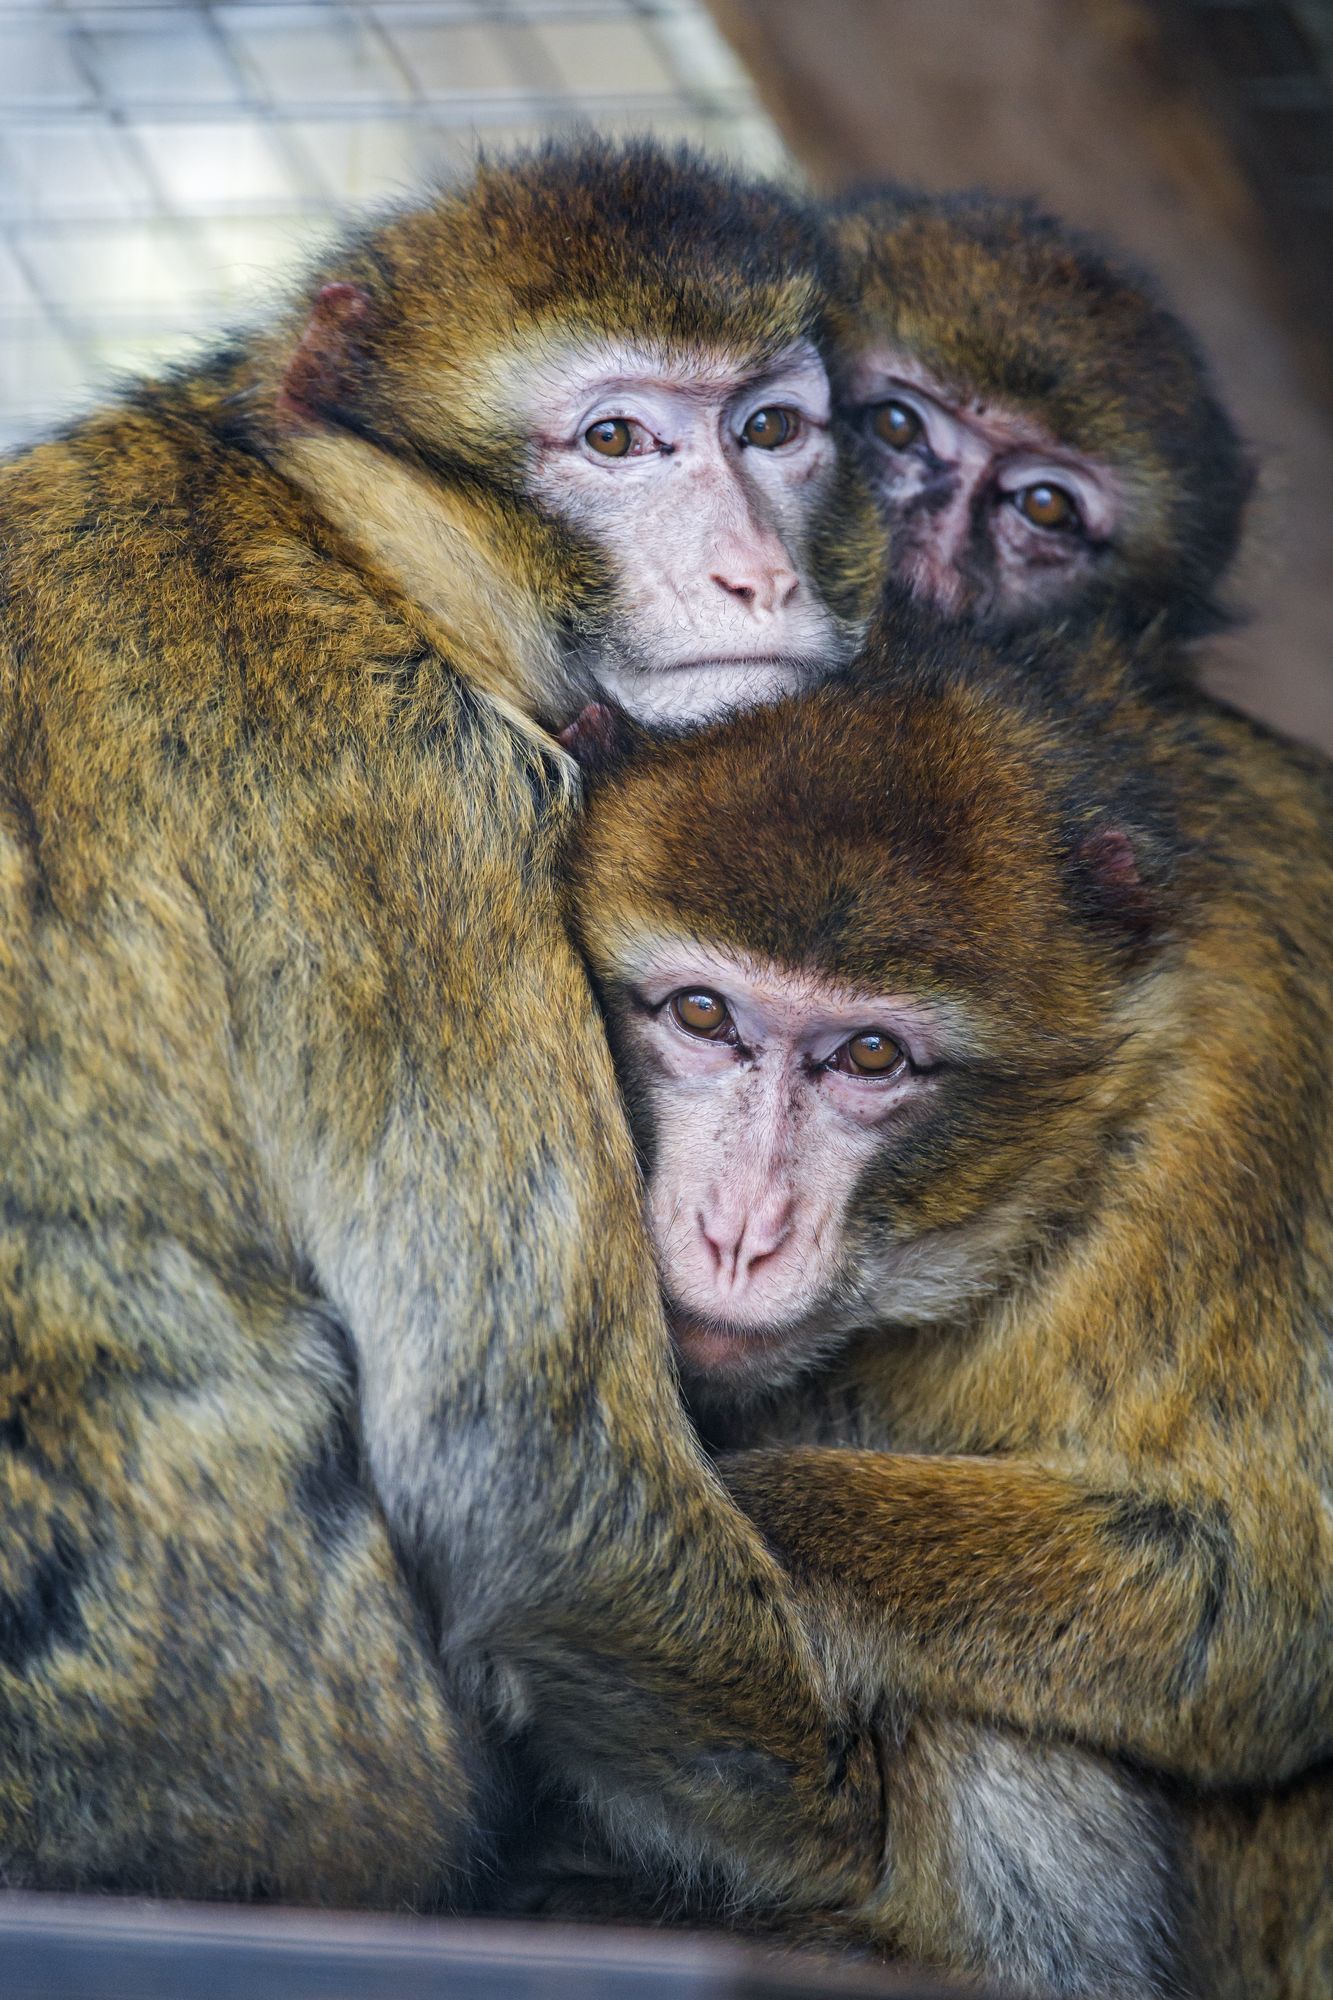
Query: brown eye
{"x": 896, "y": 424}
{"x": 1047, "y": 506}
{"x": 700, "y": 1012}
{"x": 611, "y": 438}
{"x": 869, "y": 1054}
{"x": 770, "y": 428}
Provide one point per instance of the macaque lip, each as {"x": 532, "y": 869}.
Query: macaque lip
{"x": 698, "y": 690}
{"x": 707, "y": 1346}
{"x": 740, "y": 661}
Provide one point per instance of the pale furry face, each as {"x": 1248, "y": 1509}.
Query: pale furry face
{"x": 989, "y": 513}
{"x": 770, "y": 1094}
{"x": 700, "y": 478}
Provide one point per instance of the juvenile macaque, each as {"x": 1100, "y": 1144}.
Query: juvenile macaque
{"x": 1040, "y": 431}
{"x": 974, "y": 1028}
{"x": 320, "y": 1255}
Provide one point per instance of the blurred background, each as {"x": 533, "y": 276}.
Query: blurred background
{"x": 162, "y": 165}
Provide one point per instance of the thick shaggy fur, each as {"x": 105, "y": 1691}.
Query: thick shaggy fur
{"x": 320, "y": 1254}
{"x": 1090, "y": 1503}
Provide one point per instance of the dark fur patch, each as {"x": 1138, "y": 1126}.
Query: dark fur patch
{"x": 1177, "y": 1535}
{"x": 328, "y": 1490}
{"x": 46, "y": 1612}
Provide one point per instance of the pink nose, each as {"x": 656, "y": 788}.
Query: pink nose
{"x": 740, "y": 1240}
{"x": 759, "y": 585}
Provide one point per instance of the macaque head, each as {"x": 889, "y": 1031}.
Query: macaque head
{"x": 607, "y": 363}
{"x": 873, "y": 965}
{"x": 1041, "y": 434}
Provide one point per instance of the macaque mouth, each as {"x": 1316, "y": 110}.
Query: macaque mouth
{"x": 706, "y": 1344}
{"x": 696, "y": 690}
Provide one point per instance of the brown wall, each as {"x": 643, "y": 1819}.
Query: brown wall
{"x": 1079, "y": 103}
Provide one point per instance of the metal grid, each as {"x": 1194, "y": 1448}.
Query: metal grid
{"x": 160, "y": 163}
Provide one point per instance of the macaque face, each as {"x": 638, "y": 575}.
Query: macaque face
{"x": 775, "y": 1107}
{"x": 872, "y": 989}
{"x": 700, "y": 478}
{"x": 990, "y": 516}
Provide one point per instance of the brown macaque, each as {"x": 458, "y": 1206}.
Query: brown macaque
{"x": 338, "y": 1427}
{"x": 1042, "y": 434}
{"x": 974, "y": 1024}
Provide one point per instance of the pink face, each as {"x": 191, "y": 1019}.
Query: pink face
{"x": 769, "y": 1094}
{"x": 989, "y": 513}
{"x": 700, "y": 479}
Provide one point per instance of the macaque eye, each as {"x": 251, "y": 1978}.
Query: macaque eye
{"x": 896, "y": 425}
{"x": 700, "y": 1012}
{"x": 871, "y": 1053}
{"x": 1047, "y": 506}
{"x": 613, "y": 437}
{"x": 770, "y": 428}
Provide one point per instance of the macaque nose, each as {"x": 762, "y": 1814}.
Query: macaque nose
{"x": 761, "y": 580}
{"x": 739, "y": 1240}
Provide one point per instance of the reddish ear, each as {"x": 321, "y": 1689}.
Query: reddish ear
{"x": 1106, "y": 862}
{"x": 593, "y": 737}
{"x": 317, "y": 376}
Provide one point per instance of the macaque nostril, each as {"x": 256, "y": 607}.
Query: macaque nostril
{"x": 721, "y": 1244}
{"x": 761, "y": 590}
{"x": 737, "y": 1248}
{"x": 751, "y": 1259}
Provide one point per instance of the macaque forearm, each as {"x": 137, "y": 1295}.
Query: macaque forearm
{"x": 1001, "y": 1590}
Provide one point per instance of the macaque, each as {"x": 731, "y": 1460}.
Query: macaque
{"x": 973, "y": 1020}
{"x": 338, "y": 1430}
{"x": 1041, "y": 433}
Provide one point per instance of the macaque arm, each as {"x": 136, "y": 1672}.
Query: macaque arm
{"x": 446, "y": 1138}
{"x": 1134, "y": 1622}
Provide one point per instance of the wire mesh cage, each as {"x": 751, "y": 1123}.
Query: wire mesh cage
{"x": 159, "y": 164}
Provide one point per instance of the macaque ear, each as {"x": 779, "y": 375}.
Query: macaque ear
{"x": 1110, "y": 885}
{"x": 599, "y": 739}
{"x": 323, "y": 366}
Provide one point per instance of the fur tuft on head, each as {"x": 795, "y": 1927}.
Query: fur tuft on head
{"x": 933, "y": 816}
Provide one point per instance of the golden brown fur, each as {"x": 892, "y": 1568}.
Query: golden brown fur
{"x": 320, "y": 1262}
{"x": 1090, "y": 1507}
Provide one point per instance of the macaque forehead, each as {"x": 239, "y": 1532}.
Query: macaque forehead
{"x": 886, "y": 845}
{"x": 549, "y": 384}
{"x": 1008, "y": 310}
{"x": 631, "y": 235}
